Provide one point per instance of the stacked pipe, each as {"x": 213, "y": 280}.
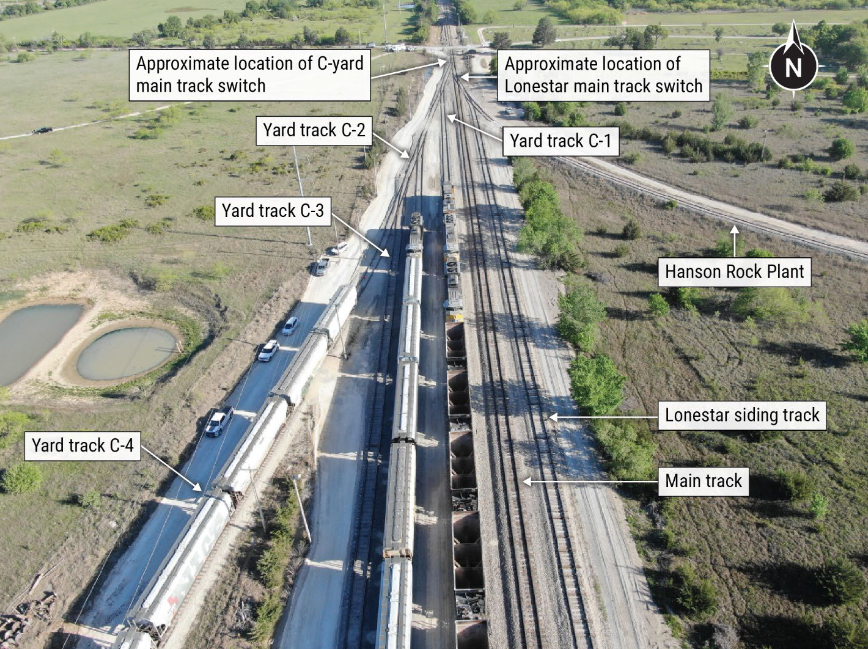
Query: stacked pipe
{"x": 158, "y": 604}
{"x": 471, "y": 628}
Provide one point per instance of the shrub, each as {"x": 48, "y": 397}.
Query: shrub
{"x": 841, "y": 149}
{"x": 819, "y": 506}
{"x": 772, "y": 304}
{"x": 633, "y": 158}
{"x": 841, "y": 191}
{"x": 596, "y": 384}
{"x": 113, "y": 233}
{"x": 580, "y": 312}
{"x": 621, "y": 250}
{"x": 748, "y": 122}
{"x": 841, "y": 582}
{"x": 842, "y": 76}
{"x": 676, "y": 114}
{"x": 155, "y": 200}
{"x": 631, "y": 230}
{"x": 90, "y": 500}
{"x": 698, "y": 597}
{"x": 658, "y": 305}
{"x": 796, "y": 485}
{"x": 758, "y": 253}
{"x": 852, "y": 171}
{"x": 620, "y": 109}
{"x": 670, "y": 204}
{"x": 21, "y": 478}
{"x": 12, "y": 427}
{"x": 858, "y": 343}
{"x": 844, "y": 633}
{"x": 203, "y": 212}
{"x": 630, "y": 455}
{"x": 685, "y": 297}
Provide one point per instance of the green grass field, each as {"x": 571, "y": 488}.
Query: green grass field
{"x": 115, "y": 18}
{"x": 91, "y": 177}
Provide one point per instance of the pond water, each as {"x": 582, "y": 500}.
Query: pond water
{"x": 28, "y": 334}
{"x": 125, "y": 352}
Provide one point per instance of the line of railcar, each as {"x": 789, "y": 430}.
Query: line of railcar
{"x": 395, "y": 615}
{"x": 471, "y": 627}
{"x": 161, "y": 599}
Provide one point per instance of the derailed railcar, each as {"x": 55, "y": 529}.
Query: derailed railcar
{"x": 293, "y": 384}
{"x": 132, "y": 639}
{"x": 254, "y": 446}
{"x": 166, "y": 591}
{"x": 395, "y": 618}
{"x": 338, "y": 311}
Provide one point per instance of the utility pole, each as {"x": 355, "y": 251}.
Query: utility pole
{"x": 295, "y": 480}
{"x": 385, "y": 31}
{"x": 300, "y": 188}
{"x": 258, "y": 502}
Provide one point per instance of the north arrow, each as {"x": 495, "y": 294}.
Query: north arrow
{"x": 404, "y": 154}
{"x": 439, "y": 64}
{"x": 734, "y": 233}
{"x": 453, "y": 119}
{"x": 385, "y": 253}
{"x": 195, "y": 486}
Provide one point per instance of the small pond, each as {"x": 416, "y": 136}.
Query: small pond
{"x": 125, "y": 352}
{"x": 28, "y": 334}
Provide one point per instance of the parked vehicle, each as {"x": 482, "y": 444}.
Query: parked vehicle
{"x": 219, "y": 421}
{"x": 321, "y": 267}
{"x": 290, "y": 326}
{"x": 42, "y": 129}
{"x": 371, "y": 46}
{"x": 339, "y": 248}
{"x": 268, "y": 351}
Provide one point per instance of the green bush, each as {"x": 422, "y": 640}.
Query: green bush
{"x": 796, "y": 485}
{"x": 841, "y": 582}
{"x": 12, "y": 427}
{"x": 580, "y": 312}
{"x": 844, "y": 633}
{"x": 858, "y": 343}
{"x": 685, "y": 297}
{"x": 819, "y": 506}
{"x": 841, "y": 191}
{"x": 621, "y": 250}
{"x": 748, "y": 122}
{"x": 621, "y": 109}
{"x": 21, "y": 478}
{"x": 113, "y": 233}
{"x": 631, "y": 230}
{"x": 658, "y": 305}
{"x": 155, "y": 200}
{"x": 90, "y": 500}
{"x": 698, "y": 597}
{"x": 203, "y": 213}
{"x": 596, "y": 384}
{"x": 772, "y": 304}
{"x": 841, "y": 149}
{"x": 630, "y": 455}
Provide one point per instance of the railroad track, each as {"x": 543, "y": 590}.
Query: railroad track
{"x": 360, "y": 588}
{"x": 507, "y": 432}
